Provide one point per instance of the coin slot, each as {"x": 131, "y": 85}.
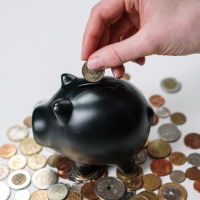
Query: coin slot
{"x": 96, "y": 85}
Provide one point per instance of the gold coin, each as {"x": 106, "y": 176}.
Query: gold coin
{"x": 73, "y": 195}
{"x": 17, "y": 162}
{"x": 18, "y": 179}
{"x": 126, "y": 76}
{"x": 39, "y": 195}
{"x": 92, "y": 75}
{"x": 29, "y": 147}
{"x": 178, "y": 118}
{"x": 159, "y": 149}
{"x": 149, "y": 195}
{"x": 167, "y": 189}
{"x": 37, "y": 161}
{"x": 133, "y": 183}
{"x": 147, "y": 143}
{"x": 28, "y": 122}
{"x": 151, "y": 182}
{"x": 177, "y": 158}
{"x": 138, "y": 198}
{"x": 53, "y": 159}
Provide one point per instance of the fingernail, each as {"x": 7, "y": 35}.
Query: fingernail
{"x": 95, "y": 63}
{"x": 140, "y": 63}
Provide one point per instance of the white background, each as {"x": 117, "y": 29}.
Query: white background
{"x": 40, "y": 40}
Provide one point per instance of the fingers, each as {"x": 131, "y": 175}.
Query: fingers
{"x": 118, "y": 72}
{"x": 137, "y": 46}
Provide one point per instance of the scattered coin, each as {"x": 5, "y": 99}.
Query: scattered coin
{"x": 126, "y": 76}
{"x": 17, "y": 162}
{"x": 155, "y": 120}
{"x": 170, "y": 85}
{"x": 161, "y": 167}
{"x": 159, "y": 149}
{"x": 192, "y": 173}
{"x": 39, "y": 195}
{"x": 8, "y": 150}
{"x": 128, "y": 195}
{"x": 73, "y": 195}
{"x": 53, "y": 159}
{"x": 88, "y": 191}
{"x": 177, "y": 158}
{"x": 28, "y": 122}
{"x": 147, "y": 143}
{"x": 77, "y": 186}
{"x": 197, "y": 185}
{"x": 151, "y": 182}
{"x": 17, "y": 133}
{"x": 192, "y": 140}
{"x": 163, "y": 112}
{"x": 110, "y": 188}
{"x": 194, "y": 159}
{"x": 149, "y": 195}
{"x": 4, "y": 171}
{"x": 138, "y": 198}
{"x": 156, "y": 100}
{"x": 64, "y": 164}
{"x": 169, "y": 132}
{"x": 57, "y": 192}
{"x": 92, "y": 75}
{"x": 44, "y": 178}
{"x": 133, "y": 183}
{"x": 36, "y": 161}
{"x": 29, "y": 147}
{"x": 172, "y": 191}
{"x": 177, "y": 176}
{"x": 102, "y": 175}
{"x": 22, "y": 195}
{"x": 141, "y": 157}
{"x": 178, "y": 118}
{"x": 4, "y": 191}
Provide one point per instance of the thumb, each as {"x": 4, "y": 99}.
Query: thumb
{"x": 139, "y": 45}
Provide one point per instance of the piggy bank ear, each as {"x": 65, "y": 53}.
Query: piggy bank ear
{"x": 67, "y": 78}
{"x": 62, "y": 109}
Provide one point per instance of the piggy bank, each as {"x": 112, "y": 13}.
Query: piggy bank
{"x": 106, "y": 122}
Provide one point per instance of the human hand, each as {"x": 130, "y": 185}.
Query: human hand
{"x": 119, "y": 31}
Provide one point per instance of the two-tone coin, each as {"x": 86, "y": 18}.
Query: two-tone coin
{"x": 194, "y": 159}
{"x": 36, "y": 161}
{"x": 19, "y": 179}
{"x": 4, "y": 191}
{"x": 17, "y": 162}
{"x": 170, "y": 85}
{"x": 162, "y": 112}
{"x": 177, "y": 176}
{"x": 22, "y": 195}
{"x": 57, "y": 192}
{"x": 4, "y": 171}
{"x": 141, "y": 157}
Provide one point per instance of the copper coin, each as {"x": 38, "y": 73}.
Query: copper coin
{"x": 8, "y": 150}
{"x": 88, "y": 191}
{"x": 155, "y": 121}
{"x": 62, "y": 174}
{"x": 156, "y": 100}
{"x": 161, "y": 167}
{"x": 192, "y": 140}
{"x": 64, "y": 164}
{"x": 197, "y": 185}
{"x": 178, "y": 118}
{"x": 192, "y": 173}
{"x": 177, "y": 158}
{"x": 28, "y": 122}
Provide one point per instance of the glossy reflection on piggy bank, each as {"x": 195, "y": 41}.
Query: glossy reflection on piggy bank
{"x": 106, "y": 122}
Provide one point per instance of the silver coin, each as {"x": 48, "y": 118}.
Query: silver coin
{"x": 4, "y": 191}
{"x": 110, "y": 188}
{"x": 163, "y": 112}
{"x": 19, "y": 179}
{"x": 194, "y": 159}
{"x": 57, "y": 192}
{"x": 22, "y": 195}
{"x": 171, "y": 192}
{"x": 177, "y": 176}
{"x": 44, "y": 178}
{"x": 17, "y": 133}
{"x": 169, "y": 132}
{"x": 68, "y": 185}
{"x": 141, "y": 157}
{"x": 4, "y": 171}
{"x": 77, "y": 186}
{"x": 170, "y": 85}
{"x": 128, "y": 195}
{"x": 92, "y": 75}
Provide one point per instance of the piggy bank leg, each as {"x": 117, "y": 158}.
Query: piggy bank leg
{"x": 83, "y": 169}
{"x": 126, "y": 168}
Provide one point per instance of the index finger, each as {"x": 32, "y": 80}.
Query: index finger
{"x": 101, "y": 14}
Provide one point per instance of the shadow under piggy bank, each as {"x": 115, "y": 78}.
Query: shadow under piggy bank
{"x": 106, "y": 122}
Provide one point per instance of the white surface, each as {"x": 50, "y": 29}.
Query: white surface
{"x": 40, "y": 40}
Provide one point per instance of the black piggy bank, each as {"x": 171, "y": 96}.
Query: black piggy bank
{"x": 106, "y": 122}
